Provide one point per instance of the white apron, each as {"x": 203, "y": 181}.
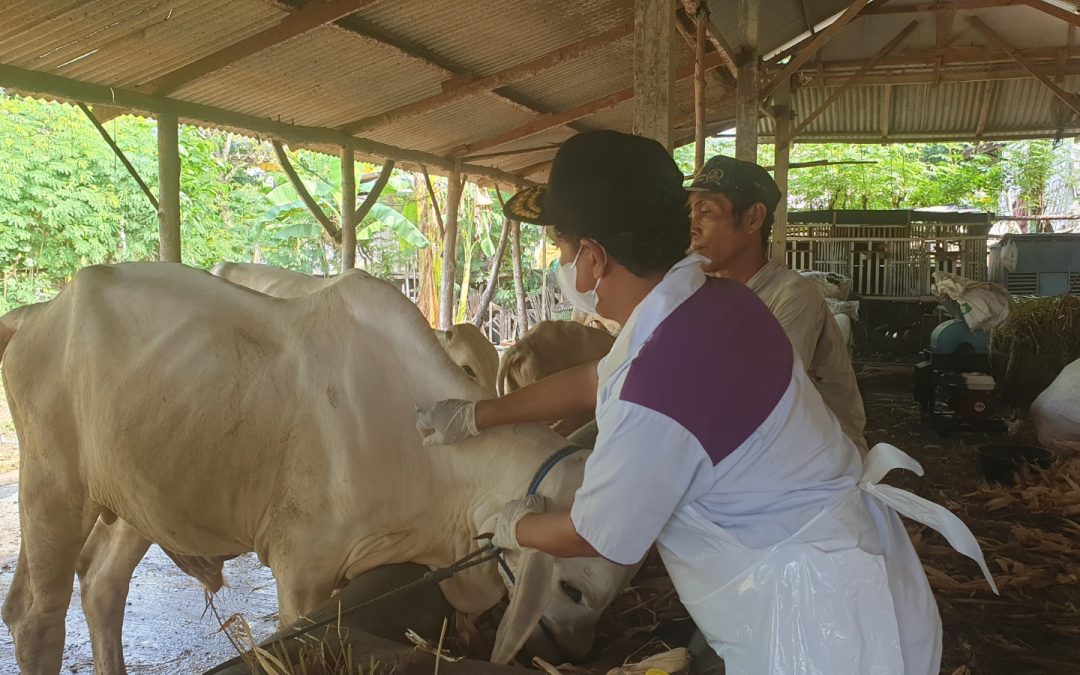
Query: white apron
{"x": 846, "y": 594}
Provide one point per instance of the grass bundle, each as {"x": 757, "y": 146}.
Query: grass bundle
{"x": 1029, "y": 349}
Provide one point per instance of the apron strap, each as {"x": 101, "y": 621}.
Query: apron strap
{"x": 884, "y": 458}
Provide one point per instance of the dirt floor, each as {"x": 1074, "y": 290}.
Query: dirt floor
{"x": 1030, "y": 535}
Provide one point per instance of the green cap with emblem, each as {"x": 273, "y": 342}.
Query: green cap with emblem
{"x": 727, "y": 174}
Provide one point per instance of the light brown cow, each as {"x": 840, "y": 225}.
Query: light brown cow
{"x": 548, "y": 348}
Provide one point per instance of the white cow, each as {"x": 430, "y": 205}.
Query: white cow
{"x": 464, "y": 342}
{"x": 548, "y": 348}
{"x": 472, "y": 350}
{"x": 214, "y": 420}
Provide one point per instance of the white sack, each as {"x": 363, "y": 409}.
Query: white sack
{"x": 1056, "y": 412}
{"x": 982, "y": 304}
{"x": 835, "y": 286}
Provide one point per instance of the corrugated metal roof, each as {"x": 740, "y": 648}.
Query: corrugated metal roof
{"x": 389, "y": 54}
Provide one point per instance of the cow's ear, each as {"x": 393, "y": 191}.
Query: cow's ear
{"x": 530, "y": 596}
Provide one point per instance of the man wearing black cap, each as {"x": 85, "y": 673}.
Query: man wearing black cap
{"x": 731, "y": 210}
{"x": 713, "y": 444}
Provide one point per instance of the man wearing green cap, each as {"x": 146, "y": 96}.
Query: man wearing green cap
{"x": 731, "y": 216}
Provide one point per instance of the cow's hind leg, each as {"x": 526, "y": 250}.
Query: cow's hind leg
{"x": 105, "y": 566}
{"x": 55, "y": 518}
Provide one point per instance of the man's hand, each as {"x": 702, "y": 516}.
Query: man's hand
{"x": 506, "y": 526}
{"x": 448, "y": 422}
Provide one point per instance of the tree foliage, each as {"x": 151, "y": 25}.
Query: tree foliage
{"x": 67, "y": 202}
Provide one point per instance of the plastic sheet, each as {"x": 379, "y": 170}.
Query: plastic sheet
{"x": 1056, "y": 412}
{"x": 844, "y": 595}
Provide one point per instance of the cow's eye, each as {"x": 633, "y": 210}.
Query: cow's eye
{"x": 469, "y": 371}
{"x": 570, "y": 592}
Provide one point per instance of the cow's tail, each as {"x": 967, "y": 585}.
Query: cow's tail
{"x": 9, "y": 323}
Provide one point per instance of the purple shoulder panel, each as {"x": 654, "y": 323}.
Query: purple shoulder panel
{"x": 717, "y": 365}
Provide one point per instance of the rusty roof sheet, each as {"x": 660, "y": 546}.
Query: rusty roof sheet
{"x": 388, "y": 54}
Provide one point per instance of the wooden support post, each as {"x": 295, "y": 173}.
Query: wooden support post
{"x": 715, "y": 36}
{"x": 701, "y": 21}
{"x": 748, "y": 94}
{"x": 519, "y": 280}
{"x": 984, "y": 109}
{"x": 120, "y": 154}
{"x": 654, "y": 75}
{"x": 333, "y": 232}
{"x": 999, "y": 42}
{"x": 886, "y": 111}
{"x": 168, "y": 134}
{"x": 348, "y": 208}
{"x": 782, "y": 111}
{"x": 805, "y": 122}
{"x": 449, "y": 253}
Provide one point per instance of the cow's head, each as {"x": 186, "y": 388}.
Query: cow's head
{"x": 566, "y": 594}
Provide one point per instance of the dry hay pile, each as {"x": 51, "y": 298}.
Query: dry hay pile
{"x": 1029, "y": 349}
{"x": 646, "y": 626}
{"x": 1031, "y": 540}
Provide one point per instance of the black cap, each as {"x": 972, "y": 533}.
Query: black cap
{"x": 601, "y": 177}
{"x": 727, "y": 174}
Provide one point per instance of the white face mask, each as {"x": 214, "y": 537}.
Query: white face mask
{"x": 566, "y": 276}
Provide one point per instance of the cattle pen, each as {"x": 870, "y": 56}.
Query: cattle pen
{"x": 484, "y": 93}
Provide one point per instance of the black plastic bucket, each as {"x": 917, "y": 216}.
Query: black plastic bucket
{"x": 999, "y": 462}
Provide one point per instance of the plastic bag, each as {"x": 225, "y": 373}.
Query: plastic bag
{"x": 1010, "y": 255}
{"x": 835, "y": 286}
{"x": 982, "y": 304}
{"x": 849, "y": 308}
{"x": 1056, "y": 412}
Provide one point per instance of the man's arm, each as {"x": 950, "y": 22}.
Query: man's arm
{"x": 567, "y": 393}
{"x": 801, "y": 313}
{"x": 554, "y": 534}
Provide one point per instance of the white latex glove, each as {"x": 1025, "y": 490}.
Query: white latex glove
{"x": 448, "y": 422}
{"x": 511, "y": 515}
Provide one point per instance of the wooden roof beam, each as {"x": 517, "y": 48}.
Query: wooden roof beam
{"x": 951, "y": 55}
{"x": 808, "y": 52}
{"x": 455, "y": 89}
{"x": 986, "y": 73}
{"x": 313, "y": 14}
{"x": 998, "y": 41}
{"x": 942, "y": 6}
{"x": 550, "y": 120}
{"x": 47, "y": 84}
{"x": 1064, "y": 15}
{"x": 424, "y": 56}
{"x": 839, "y": 91}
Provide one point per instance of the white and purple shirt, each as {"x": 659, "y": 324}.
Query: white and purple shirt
{"x": 702, "y": 400}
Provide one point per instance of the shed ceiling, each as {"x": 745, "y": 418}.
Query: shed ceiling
{"x": 942, "y": 82}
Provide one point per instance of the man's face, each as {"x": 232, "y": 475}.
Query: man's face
{"x": 714, "y": 232}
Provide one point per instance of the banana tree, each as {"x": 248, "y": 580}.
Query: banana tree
{"x": 287, "y": 217}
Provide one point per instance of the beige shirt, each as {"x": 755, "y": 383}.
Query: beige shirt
{"x": 799, "y": 306}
